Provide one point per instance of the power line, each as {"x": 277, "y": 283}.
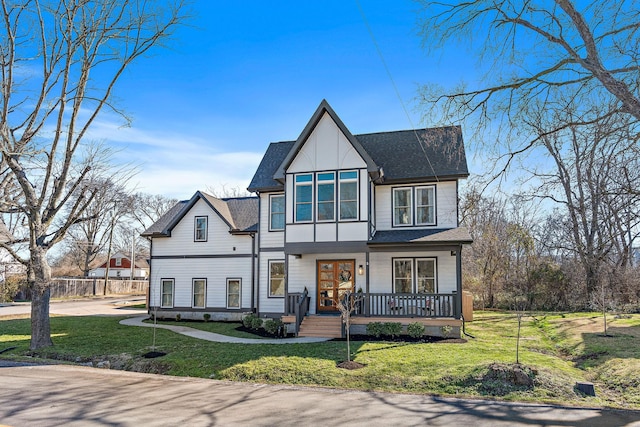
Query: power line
{"x": 395, "y": 88}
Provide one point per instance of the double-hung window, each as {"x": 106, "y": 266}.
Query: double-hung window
{"x": 402, "y": 201}
{"x": 304, "y": 197}
{"x": 326, "y": 192}
{"x": 166, "y": 289}
{"x": 233, "y": 293}
{"x": 425, "y": 205}
{"x": 199, "y": 293}
{"x": 414, "y": 206}
{"x": 348, "y": 186}
{"x": 200, "y": 229}
{"x": 414, "y": 275}
{"x": 276, "y": 212}
{"x": 276, "y": 278}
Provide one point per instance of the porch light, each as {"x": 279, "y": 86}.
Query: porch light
{"x": 360, "y": 270}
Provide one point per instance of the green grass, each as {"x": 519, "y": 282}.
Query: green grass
{"x": 558, "y": 349}
{"x": 224, "y": 328}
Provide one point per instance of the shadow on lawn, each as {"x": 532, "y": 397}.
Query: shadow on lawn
{"x": 619, "y": 343}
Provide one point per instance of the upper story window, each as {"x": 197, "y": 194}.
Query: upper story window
{"x": 348, "y": 186}
{"x": 200, "y": 229}
{"x": 276, "y": 212}
{"x": 118, "y": 262}
{"x": 326, "y": 196}
{"x": 402, "y": 201}
{"x": 304, "y": 197}
{"x": 425, "y": 205}
{"x": 414, "y": 206}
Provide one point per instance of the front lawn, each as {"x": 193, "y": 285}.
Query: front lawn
{"x": 556, "y": 351}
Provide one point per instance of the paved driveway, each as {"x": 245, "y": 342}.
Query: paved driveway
{"x": 80, "y": 396}
{"x": 109, "y": 306}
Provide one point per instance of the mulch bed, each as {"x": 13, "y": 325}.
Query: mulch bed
{"x": 405, "y": 339}
{"x": 351, "y": 365}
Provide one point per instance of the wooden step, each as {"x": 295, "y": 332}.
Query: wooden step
{"x": 321, "y": 326}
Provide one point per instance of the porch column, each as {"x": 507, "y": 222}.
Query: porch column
{"x": 458, "y": 313}
{"x": 287, "y": 309}
{"x": 366, "y": 297}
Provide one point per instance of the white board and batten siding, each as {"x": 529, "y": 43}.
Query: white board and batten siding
{"x": 223, "y": 256}
{"x": 268, "y": 239}
{"x": 327, "y": 149}
{"x": 381, "y": 269}
{"x": 219, "y": 240}
{"x": 269, "y": 304}
{"x": 446, "y": 205}
{"x": 215, "y": 270}
{"x": 303, "y": 273}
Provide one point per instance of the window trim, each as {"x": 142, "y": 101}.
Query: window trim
{"x": 173, "y": 291}
{"x": 296, "y": 185}
{"x": 118, "y": 262}
{"x": 415, "y": 214}
{"x": 195, "y": 228}
{"x": 355, "y": 180}
{"x": 284, "y": 207}
{"x": 414, "y": 272}
{"x": 193, "y": 294}
{"x": 393, "y": 206}
{"x": 318, "y": 183}
{"x": 273, "y": 261}
{"x": 239, "y": 280}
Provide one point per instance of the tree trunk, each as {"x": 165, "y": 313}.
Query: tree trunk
{"x": 40, "y": 284}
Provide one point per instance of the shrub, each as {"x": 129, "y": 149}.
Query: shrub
{"x": 273, "y": 326}
{"x": 415, "y": 330}
{"x": 392, "y": 329}
{"x": 374, "y": 329}
{"x": 11, "y": 286}
{"x": 206, "y": 317}
{"x": 256, "y": 323}
{"x": 247, "y": 320}
{"x": 178, "y": 317}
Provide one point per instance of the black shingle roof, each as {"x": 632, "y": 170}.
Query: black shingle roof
{"x": 426, "y": 236}
{"x": 423, "y": 154}
{"x": 403, "y": 156}
{"x": 240, "y": 213}
{"x": 263, "y": 178}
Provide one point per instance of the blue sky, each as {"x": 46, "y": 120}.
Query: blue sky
{"x": 244, "y": 74}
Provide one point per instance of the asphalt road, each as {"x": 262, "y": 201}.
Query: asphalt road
{"x": 60, "y": 395}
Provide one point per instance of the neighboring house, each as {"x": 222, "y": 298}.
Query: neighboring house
{"x": 120, "y": 267}
{"x": 8, "y": 265}
{"x": 373, "y": 213}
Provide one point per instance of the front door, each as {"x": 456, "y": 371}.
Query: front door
{"x": 334, "y": 279}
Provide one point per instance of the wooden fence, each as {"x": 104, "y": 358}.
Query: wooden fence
{"x": 67, "y": 287}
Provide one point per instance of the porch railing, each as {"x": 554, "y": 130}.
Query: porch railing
{"x": 408, "y": 305}
{"x": 298, "y": 305}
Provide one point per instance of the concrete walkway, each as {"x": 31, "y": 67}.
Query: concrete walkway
{"x": 211, "y": 336}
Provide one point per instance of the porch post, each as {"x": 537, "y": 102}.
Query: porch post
{"x": 366, "y": 297}
{"x": 458, "y": 296}
{"x": 287, "y": 309}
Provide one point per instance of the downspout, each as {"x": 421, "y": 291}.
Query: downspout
{"x": 253, "y": 273}
{"x": 150, "y": 275}
{"x": 459, "y": 282}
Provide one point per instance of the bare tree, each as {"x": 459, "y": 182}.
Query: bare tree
{"x": 60, "y": 61}
{"x": 535, "y": 50}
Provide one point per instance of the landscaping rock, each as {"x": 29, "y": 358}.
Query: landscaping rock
{"x": 105, "y": 364}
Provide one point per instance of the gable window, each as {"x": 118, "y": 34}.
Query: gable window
{"x": 348, "y": 182}
{"x": 414, "y": 275}
{"x": 199, "y": 290}
{"x": 402, "y": 198}
{"x": 200, "y": 229}
{"x": 276, "y": 278}
{"x": 276, "y": 212}
{"x": 425, "y": 205}
{"x": 118, "y": 262}
{"x": 304, "y": 197}
{"x": 326, "y": 196}
{"x": 233, "y": 293}
{"x": 166, "y": 289}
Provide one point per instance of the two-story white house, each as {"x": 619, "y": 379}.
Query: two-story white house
{"x": 375, "y": 214}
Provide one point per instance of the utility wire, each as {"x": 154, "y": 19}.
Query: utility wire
{"x": 395, "y": 88}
